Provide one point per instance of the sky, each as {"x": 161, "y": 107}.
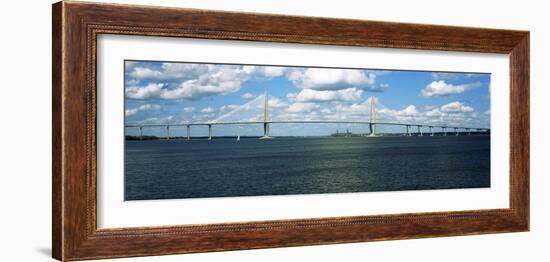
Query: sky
{"x": 178, "y": 92}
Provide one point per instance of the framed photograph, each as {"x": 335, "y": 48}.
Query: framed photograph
{"x": 181, "y": 130}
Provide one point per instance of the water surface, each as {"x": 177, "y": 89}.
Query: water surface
{"x": 170, "y": 169}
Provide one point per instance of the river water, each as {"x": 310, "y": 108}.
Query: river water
{"x": 174, "y": 169}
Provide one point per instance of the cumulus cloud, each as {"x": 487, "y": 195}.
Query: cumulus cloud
{"x": 379, "y": 88}
{"x": 330, "y": 79}
{"x": 219, "y": 81}
{"x": 301, "y": 107}
{"x": 195, "y": 89}
{"x": 276, "y": 103}
{"x": 456, "y": 107}
{"x": 193, "y": 81}
{"x": 207, "y": 110}
{"x": 441, "y": 88}
{"x": 456, "y": 113}
{"x": 265, "y": 71}
{"x": 167, "y": 71}
{"x": 228, "y": 107}
{"x": 311, "y": 95}
{"x": 145, "y": 73}
{"x": 141, "y": 108}
{"x": 189, "y": 109}
{"x": 248, "y": 96}
{"x": 149, "y": 91}
{"x": 410, "y": 112}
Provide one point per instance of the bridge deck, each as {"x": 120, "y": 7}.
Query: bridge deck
{"x": 306, "y": 122}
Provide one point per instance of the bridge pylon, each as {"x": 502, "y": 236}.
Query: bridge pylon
{"x": 372, "y": 116}
{"x": 266, "y": 117}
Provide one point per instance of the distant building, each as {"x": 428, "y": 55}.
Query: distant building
{"x": 345, "y": 134}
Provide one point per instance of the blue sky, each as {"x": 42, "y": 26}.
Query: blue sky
{"x": 170, "y": 92}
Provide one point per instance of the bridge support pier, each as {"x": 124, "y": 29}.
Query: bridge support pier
{"x": 372, "y": 128}
{"x": 431, "y": 131}
{"x": 188, "y": 132}
{"x": 209, "y": 132}
{"x": 408, "y": 130}
{"x": 444, "y": 131}
{"x": 140, "y": 133}
{"x": 456, "y": 131}
{"x": 266, "y": 131}
{"x": 420, "y": 131}
{"x": 167, "y": 132}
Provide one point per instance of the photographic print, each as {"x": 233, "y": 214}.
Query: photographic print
{"x": 200, "y": 130}
{"x": 179, "y": 130}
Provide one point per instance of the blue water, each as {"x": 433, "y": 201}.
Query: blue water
{"x": 172, "y": 169}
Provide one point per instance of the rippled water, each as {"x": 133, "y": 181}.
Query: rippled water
{"x": 169, "y": 169}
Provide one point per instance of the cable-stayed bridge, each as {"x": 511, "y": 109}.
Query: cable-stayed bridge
{"x": 421, "y": 129}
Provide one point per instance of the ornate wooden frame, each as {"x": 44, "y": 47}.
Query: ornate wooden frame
{"x": 76, "y": 26}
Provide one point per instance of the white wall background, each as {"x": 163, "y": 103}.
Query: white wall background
{"x": 25, "y": 149}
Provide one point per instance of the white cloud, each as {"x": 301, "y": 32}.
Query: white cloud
{"x": 408, "y": 112}
{"x": 379, "y": 88}
{"x": 362, "y": 108}
{"x": 330, "y": 79}
{"x": 207, "y": 110}
{"x": 302, "y": 107}
{"x": 168, "y": 71}
{"x": 264, "y": 71}
{"x": 132, "y": 82}
{"x": 141, "y": 108}
{"x": 310, "y": 95}
{"x": 228, "y": 107}
{"x": 194, "y": 81}
{"x": 145, "y": 73}
{"x": 441, "y": 88}
{"x": 189, "y": 109}
{"x": 357, "y": 109}
{"x": 195, "y": 89}
{"x": 434, "y": 112}
{"x": 456, "y": 107}
{"x": 291, "y": 96}
{"x": 149, "y": 91}
{"x": 248, "y": 96}
{"x": 276, "y": 103}
{"x": 190, "y": 89}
